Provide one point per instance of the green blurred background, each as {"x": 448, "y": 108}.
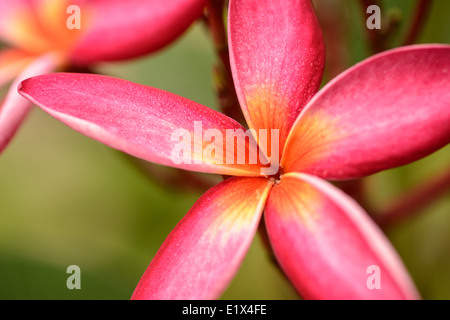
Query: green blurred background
{"x": 66, "y": 199}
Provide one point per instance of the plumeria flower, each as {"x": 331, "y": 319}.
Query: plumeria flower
{"x": 384, "y": 112}
{"x": 44, "y": 36}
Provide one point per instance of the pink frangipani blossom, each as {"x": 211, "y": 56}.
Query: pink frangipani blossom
{"x": 386, "y": 111}
{"x": 40, "y": 39}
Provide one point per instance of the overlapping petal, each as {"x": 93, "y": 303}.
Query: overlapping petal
{"x": 12, "y": 62}
{"x": 389, "y": 110}
{"x": 149, "y": 123}
{"x": 19, "y": 27}
{"x": 200, "y": 256}
{"x": 14, "y": 108}
{"x": 277, "y": 57}
{"x": 105, "y": 33}
{"x": 327, "y": 245}
{"x": 39, "y": 26}
{"x": 120, "y": 29}
{"x": 55, "y": 18}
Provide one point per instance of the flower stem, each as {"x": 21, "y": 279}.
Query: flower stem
{"x": 262, "y": 230}
{"x": 422, "y": 10}
{"x": 266, "y": 242}
{"x": 379, "y": 38}
{"x": 375, "y": 37}
{"x": 222, "y": 70}
{"x": 334, "y": 24}
{"x": 356, "y": 189}
{"x": 414, "y": 201}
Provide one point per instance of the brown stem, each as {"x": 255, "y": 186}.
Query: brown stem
{"x": 379, "y": 38}
{"x": 356, "y": 189}
{"x": 422, "y": 10}
{"x": 79, "y": 69}
{"x": 413, "y": 202}
{"x": 375, "y": 37}
{"x": 334, "y": 24}
{"x": 222, "y": 71}
{"x": 266, "y": 242}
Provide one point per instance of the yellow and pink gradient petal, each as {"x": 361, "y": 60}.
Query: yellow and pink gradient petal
{"x": 277, "y": 62}
{"x": 369, "y": 118}
{"x": 37, "y": 27}
{"x": 137, "y": 119}
{"x": 386, "y": 111}
{"x": 204, "y": 251}
{"x": 326, "y": 244}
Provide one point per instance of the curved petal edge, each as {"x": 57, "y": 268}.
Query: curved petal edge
{"x": 328, "y": 246}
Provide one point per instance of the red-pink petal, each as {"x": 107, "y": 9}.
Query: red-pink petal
{"x": 327, "y": 245}
{"x": 389, "y": 110}
{"x": 201, "y": 255}
{"x": 145, "y": 122}
{"x": 14, "y": 108}
{"x": 277, "y": 58}
{"x": 121, "y": 29}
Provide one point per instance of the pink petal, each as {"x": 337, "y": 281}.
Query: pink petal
{"x": 327, "y": 245}
{"x": 125, "y": 29}
{"x": 389, "y": 110}
{"x": 277, "y": 57}
{"x": 14, "y": 108}
{"x": 142, "y": 121}
{"x": 201, "y": 255}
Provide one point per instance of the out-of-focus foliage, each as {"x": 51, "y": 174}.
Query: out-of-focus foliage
{"x": 65, "y": 199}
